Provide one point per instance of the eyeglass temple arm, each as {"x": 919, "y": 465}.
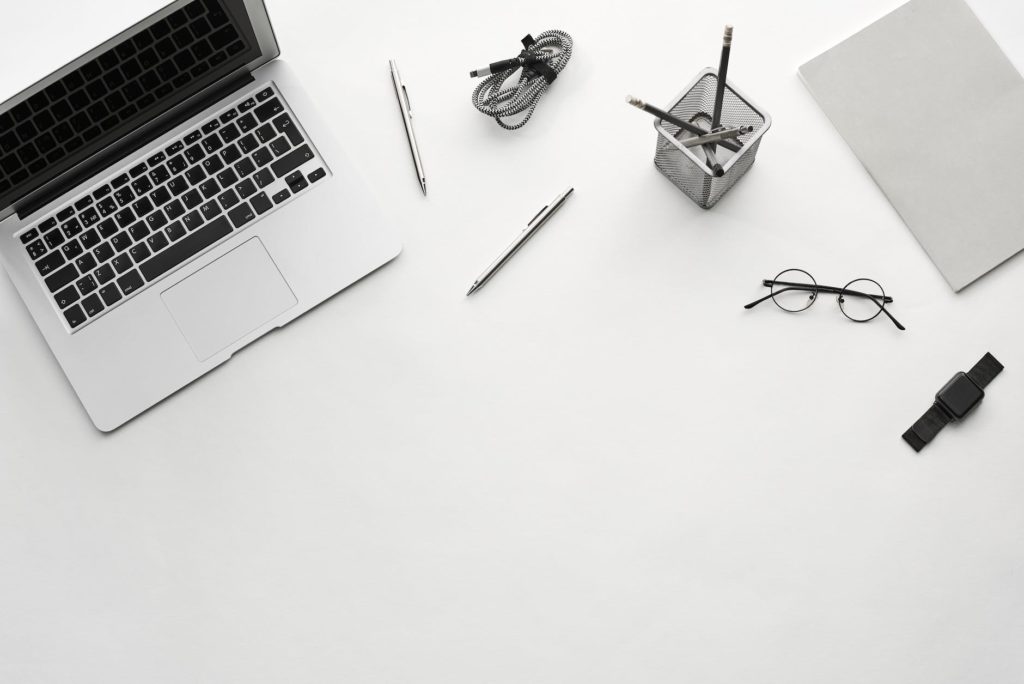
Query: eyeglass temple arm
{"x": 826, "y": 288}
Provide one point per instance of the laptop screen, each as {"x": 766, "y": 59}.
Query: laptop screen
{"x": 149, "y": 69}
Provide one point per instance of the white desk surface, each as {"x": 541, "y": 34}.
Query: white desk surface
{"x": 598, "y": 469}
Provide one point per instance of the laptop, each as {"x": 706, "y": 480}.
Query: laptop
{"x": 171, "y": 196}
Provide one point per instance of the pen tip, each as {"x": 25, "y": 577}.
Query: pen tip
{"x": 423, "y": 185}
{"x": 471, "y": 290}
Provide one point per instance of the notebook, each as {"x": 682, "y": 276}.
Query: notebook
{"x": 935, "y": 112}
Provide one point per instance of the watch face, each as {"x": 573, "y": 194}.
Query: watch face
{"x": 960, "y": 395}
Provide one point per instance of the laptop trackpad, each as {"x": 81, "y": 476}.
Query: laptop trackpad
{"x": 225, "y": 301}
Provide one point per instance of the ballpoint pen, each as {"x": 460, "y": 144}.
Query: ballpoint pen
{"x": 731, "y": 145}
{"x": 531, "y": 229}
{"x": 403, "y": 104}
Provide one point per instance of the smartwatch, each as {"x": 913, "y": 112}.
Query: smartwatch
{"x": 955, "y": 401}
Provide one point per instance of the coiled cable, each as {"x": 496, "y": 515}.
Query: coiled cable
{"x": 541, "y": 60}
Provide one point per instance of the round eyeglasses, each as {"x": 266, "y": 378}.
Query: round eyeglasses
{"x": 795, "y": 290}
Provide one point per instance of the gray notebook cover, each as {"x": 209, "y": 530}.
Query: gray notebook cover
{"x": 935, "y": 112}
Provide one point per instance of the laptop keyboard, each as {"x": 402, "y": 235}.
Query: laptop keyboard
{"x": 158, "y": 212}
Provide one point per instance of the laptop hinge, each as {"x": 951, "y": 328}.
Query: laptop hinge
{"x": 135, "y": 141}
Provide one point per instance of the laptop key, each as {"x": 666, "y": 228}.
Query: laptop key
{"x": 92, "y": 305}
{"x": 50, "y": 263}
{"x": 268, "y": 109}
{"x": 241, "y": 215}
{"x": 36, "y": 250}
{"x": 291, "y": 161}
{"x": 125, "y": 217}
{"x": 296, "y": 182}
{"x": 138, "y": 231}
{"x": 209, "y": 188}
{"x": 61, "y": 278}
{"x": 261, "y": 203}
{"x": 212, "y": 143}
{"x": 245, "y": 188}
{"x": 192, "y": 199}
{"x": 227, "y": 178}
{"x": 195, "y": 175}
{"x": 66, "y": 297}
{"x": 229, "y": 133}
{"x": 265, "y": 133}
{"x": 280, "y": 146}
{"x": 107, "y": 228}
{"x": 192, "y": 220}
{"x": 228, "y": 199}
{"x": 262, "y": 156}
{"x": 281, "y": 196}
{"x": 245, "y": 168}
{"x": 71, "y": 228}
{"x": 119, "y": 181}
{"x": 122, "y": 263}
{"x": 142, "y": 207}
{"x": 317, "y": 175}
{"x": 121, "y": 241}
{"x": 29, "y": 235}
{"x": 194, "y": 154}
{"x": 210, "y": 209}
{"x": 156, "y": 220}
{"x": 159, "y": 175}
{"x": 174, "y": 210}
{"x": 178, "y": 185}
{"x": 89, "y": 217}
{"x": 130, "y": 282}
{"x": 71, "y": 249}
{"x": 186, "y": 248}
{"x": 139, "y": 253}
{"x": 264, "y": 94}
{"x": 107, "y": 206}
{"x": 160, "y": 196}
{"x": 90, "y": 239}
{"x": 177, "y": 164}
{"x": 246, "y": 106}
{"x": 230, "y": 154}
{"x": 103, "y": 253}
{"x": 86, "y": 285}
{"x": 142, "y": 185}
{"x": 54, "y": 238}
{"x": 74, "y": 316}
{"x": 264, "y": 178}
{"x": 65, "y": 213}
{"x": 104, "y": 274}
{"x": 210, "y": 126}
{"x": 85, "y": 263}
{"x": 175, "y": 231}
{"x": 212, "y": 165}
{"x": 285, "y": 125}
{"x": 137, "y": 171}
{"x": 157, "y": 241}
{"x": 248, "y": 143}
{"x": 124, "y": 196}
{"x": 175, "y": 148}
{"x": 110, "y": 294}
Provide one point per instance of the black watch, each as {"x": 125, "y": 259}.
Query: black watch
{"x": 958, "y": 398}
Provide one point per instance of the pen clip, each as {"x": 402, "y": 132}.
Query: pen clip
{"x": 534, "y": 219}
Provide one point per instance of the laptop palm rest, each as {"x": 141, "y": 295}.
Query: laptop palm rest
{"x": 225, "y": 301}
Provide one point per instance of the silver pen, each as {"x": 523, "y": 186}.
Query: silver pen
{"x": 403, "y": 104}
{"x": 531, "y": 229}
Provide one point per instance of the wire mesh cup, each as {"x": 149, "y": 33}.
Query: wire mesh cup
{"x": 687, "y": 166}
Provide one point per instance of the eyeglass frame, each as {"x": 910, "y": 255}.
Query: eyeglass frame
{"x": 816, "y": 289}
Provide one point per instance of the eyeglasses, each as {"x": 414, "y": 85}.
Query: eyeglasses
{"x": 860, "y": 300}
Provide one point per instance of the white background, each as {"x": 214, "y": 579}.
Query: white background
{"x": 600, "y": 468}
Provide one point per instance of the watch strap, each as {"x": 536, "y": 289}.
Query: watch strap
{"x": 926, "y": 427}
{"x": 984, "y": 371}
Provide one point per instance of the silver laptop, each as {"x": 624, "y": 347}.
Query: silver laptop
{"x": 171, "y": 196}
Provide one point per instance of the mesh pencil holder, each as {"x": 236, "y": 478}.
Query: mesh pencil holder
{"x": 686, "y": 166}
